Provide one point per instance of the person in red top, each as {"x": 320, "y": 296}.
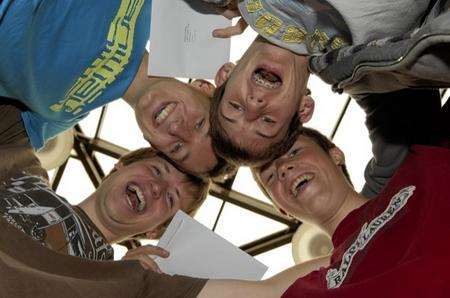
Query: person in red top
{"x": 389, "y": 240}
{"x": 394, "y": 245}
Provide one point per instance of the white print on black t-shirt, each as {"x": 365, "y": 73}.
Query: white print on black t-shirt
{"x": 335, "y": 277}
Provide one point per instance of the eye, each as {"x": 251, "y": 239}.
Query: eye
{"x": 177, "y": 147}
{"x": 270, "y": 178}
{"x": 200, "y": 124}
{"x": 156, "y": 171}
{"x": 294, "y": 152}
{"x": 267, "y": 119}
{"x": 236, "y": 106}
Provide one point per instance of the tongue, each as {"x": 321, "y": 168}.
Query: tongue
{"x": 268, "y": 76}
{"x": 133, "y": 199}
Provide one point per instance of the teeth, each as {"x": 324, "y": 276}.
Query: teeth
{"x": 163, "y": 113}
{"x": 140, "y": 198}
{"x": 298, "y": 182}
{"x": 261, "y": 81}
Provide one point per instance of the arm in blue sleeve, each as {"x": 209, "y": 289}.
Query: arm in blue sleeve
{"x": 40, "y": 130}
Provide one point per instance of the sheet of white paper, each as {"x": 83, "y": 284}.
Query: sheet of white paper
{"x": 181, "y": 42}
{"x": 197, "y": 251}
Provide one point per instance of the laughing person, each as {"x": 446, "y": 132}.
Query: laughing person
{"x": 138, "y": 197}
{"x": 62, "y": 59}
{"x": 260, "y": 101}
{"x": 386, "y": 237}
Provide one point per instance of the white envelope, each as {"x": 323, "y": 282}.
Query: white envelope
{"x": 198, "y": 252}
{"x": 181, "y": 42}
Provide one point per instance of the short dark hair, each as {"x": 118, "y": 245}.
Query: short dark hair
{"x": 221, "y": 169}
{"x": 201, "y": 185}
{"x": 236, "y": 155}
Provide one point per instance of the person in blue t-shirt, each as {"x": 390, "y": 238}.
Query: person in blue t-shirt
{"x": 62, "y": 59}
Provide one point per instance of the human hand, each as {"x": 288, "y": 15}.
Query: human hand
{"x": 231, "y": 11}
{"x": 143, "y": 253}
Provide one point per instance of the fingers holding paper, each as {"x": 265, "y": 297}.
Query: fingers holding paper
{"x": 230, "y": 11}
{"x": 143, "y": 255}
{"x": 227, "y": 32}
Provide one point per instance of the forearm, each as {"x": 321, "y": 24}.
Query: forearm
{"x": 272, "y": 287}
{"x": 14, "y": 144}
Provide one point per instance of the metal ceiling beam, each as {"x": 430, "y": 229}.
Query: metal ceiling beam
{"x": 102, "y": 146}
{"x": 251, "y": 204}
{"x": 58, "y": 175}
{"x": 88, "y": 163}
{"x": 269, "y": 242}
{"x": 341, "y": 116}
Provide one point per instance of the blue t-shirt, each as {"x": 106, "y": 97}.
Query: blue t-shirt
{"x": 63, "y": 59}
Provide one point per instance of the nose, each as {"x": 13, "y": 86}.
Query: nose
{"x": 178, "y": 128}
{"x": 156, "y": 190}
{"x": 283, "y": 170}
{"x": 254, "y": 106}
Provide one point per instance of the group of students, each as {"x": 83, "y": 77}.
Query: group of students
{"x": 61, "y": 59}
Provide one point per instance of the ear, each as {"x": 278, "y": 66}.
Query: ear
{"x": 204, "y": 86}
{"x": 118, "y": 165}
{"x": 306, "y": 108}
{"x": 337, "y": 156}
{"x": 224, "y": 73}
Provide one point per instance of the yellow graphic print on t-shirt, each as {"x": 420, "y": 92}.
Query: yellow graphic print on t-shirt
{"x": 111, "y": 62}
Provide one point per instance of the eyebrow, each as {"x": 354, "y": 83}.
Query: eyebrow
{"x": 226, "y": 118}
{"x": 265, "y": 136}
{"x": 183, "y": 159}
{"x": 166, "y": 168}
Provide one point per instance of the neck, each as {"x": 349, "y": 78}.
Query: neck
{"x": 89, "y": 207}
{"x": 352, "y": 201}
{"x": 140, "y": 83}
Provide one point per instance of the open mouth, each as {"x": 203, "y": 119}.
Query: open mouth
{"x": 300, "y": 183}
{"x": 135, "y": 198}
{"x": 267, "y": 79}
{"x": 164, "y": 112}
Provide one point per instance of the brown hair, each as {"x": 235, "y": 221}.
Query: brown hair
{"x": 236, "y": 155}
{"x": 199, "y": 191}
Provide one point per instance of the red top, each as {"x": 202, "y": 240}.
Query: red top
{"x": 397, "y": 245}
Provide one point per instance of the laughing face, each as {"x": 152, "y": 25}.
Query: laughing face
{"x": 141, "y": 196}
{"x": 174, "y": 118}
{"x": 306, "y": 182}
{"x": 262, "y": 94}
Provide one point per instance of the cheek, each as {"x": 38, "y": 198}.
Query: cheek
{"x": 162, "y": 141}
{"x": 144, "y": 118}
{"x": 279, "y": 197}
{"x": 194, "y": 107}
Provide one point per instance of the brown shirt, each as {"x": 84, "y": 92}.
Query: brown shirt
{"x": 29, "y": 269}
{"x": 30, "y": 205}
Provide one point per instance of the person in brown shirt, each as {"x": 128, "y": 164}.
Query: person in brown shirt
{"x": 139, "y": 196}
